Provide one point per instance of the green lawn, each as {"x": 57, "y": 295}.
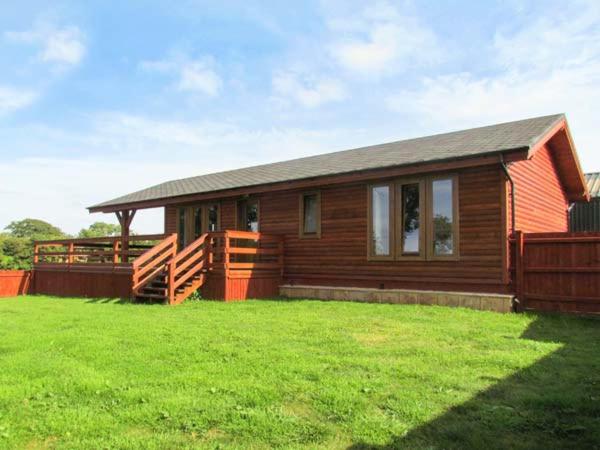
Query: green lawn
{"x": 93, "y": 374}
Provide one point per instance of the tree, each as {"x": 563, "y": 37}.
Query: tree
{"x": 100, "y": 229}
{"x": 16, "y": 246}
{"x": 35, "y": 230}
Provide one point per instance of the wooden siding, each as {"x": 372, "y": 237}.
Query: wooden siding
{"x": 14, "y": 282}
{"x": 170, "y": 219}
{"x": 82, "y": 283}
{"x": 240, "y": 287}
{"x": 541, "y": 202}
{"x": 339, "y": 257}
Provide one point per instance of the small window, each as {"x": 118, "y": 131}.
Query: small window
{"x": 310, "y": 214}
{"x": 443, "y": 218}
{"x": 380, "y": 240}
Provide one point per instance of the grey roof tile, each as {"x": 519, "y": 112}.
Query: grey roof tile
{"x": 459, "y": 144}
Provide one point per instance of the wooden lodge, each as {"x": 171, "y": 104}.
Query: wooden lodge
{"x": 432, "y": 217}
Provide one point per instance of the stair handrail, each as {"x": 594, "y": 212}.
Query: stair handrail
{"x": 152, "y": 252}
{"x": 153, "y": 261}
{"x": 195, "y": 256}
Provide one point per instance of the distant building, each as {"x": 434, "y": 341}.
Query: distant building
{"x": 585, "y": 216}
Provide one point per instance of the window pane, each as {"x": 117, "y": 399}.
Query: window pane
{"x": 181, "y": 228}
{"x": 252, "y": 217}
{"x": 443, "y": 243}
{"x": 197, "y": 222}
{"x": 380, "y": 210}
{"x": 310, "y": 213}
{"x": 410, "y": 219}
{"x": 213, "y": 217}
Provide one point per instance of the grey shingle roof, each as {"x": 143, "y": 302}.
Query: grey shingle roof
{"x": 459, "y": 144}
{"x": 593, "y": 182}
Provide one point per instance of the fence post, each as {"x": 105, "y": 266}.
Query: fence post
{"x": 71, "y": 257}
{"x": 115, "y": 252}
{"x": 520, "y": 267}
{"x": 226, "y": 245}
{"x": 36, "y": 253}
{"x": 171, "y": 283}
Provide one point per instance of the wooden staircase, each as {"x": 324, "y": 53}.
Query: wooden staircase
{"x": 163, "y": 275}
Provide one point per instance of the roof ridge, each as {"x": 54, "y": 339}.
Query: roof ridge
{"x": 471, "y": 142}
{"x": 366, "y": 147}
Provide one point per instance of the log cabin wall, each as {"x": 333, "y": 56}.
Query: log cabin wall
{"x": 541, "y": 202}
{"x": 339, "y": 256}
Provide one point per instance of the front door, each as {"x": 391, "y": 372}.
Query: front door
{"x": 193, "y": 221}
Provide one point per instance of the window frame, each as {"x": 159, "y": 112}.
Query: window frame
{"x": 371, "y": 256}
{"x": 301, "y": 233}
{"x": 399, "y": 214}
{"x": 189, "y": 215}
{"x": 426, "y": 252}
{"x": 455, "y": 256}
{"x": 246, "y": 200}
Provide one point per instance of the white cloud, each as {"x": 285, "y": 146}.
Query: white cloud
{"x": 199, "y": 78}
{"x": 550, "y": 66}
{"x": 61, "y": 46}
{"x": 380, "y": 39}
{"x": 310, "y": 92}
{"x": 12, "y": 99}
{"x": 197, "y": 75}
{"x": 131, "y": 153}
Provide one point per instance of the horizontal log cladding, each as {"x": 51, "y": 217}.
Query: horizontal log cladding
{"x": 541, "y": 202}
{"x": 339, "y": 257}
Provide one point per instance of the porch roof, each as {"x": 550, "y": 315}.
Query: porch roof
{"x": 475, "y": 142}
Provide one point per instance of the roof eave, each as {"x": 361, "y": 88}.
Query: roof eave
{"x": 485, "y": 159}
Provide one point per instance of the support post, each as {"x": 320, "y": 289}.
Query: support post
{"x": 36, "y": 253}
{"x": 125, "y": 218}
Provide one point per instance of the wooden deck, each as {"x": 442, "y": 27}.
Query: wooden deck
{"x": 228, "y": 265}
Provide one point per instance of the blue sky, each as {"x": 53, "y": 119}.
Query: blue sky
{"x": 98, "y": 99}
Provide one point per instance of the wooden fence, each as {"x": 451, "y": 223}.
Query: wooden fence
{"x": 14, "y": 282}
{"x": 557, "y": 271}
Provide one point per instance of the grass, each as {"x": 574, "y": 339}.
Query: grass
{"x": 78, "y": 373}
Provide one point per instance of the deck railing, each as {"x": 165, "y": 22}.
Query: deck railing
{"x": 244, "y": 250}
{"x": 159, "y": 269}
{"x": 93, "y": 251}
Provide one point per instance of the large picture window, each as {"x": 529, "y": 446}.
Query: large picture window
{"x": 425, "y": 214}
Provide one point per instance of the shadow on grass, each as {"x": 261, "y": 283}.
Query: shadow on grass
{"x": 111, "y": 301}
{"x": 555, "y": 403}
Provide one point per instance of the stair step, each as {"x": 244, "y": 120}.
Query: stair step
{"x": 156, "y": 296}
{"x": 151, "y": 289}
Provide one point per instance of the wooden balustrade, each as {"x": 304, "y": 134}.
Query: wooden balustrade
{"x": 153, "y": 262}
{"x": 244, "y": 250}
{"x": 93, "y": 251}
{"x": 158, "y": 270}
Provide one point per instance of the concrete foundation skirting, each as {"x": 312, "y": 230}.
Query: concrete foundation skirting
{"x": 487, "y": 302}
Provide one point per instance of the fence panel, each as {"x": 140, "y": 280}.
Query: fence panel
{"x": 558, "y": 271}
{"x": 14, "y": 282}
